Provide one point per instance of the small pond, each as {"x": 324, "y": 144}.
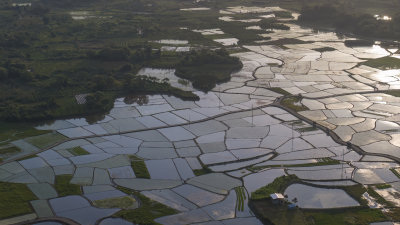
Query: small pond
{"x": 319, "y": 198}
{"x": 167, "y": 74}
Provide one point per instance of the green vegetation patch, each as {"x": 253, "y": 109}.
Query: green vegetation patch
{"x": 278, "y": 185}
{"x": 78, "y": 151}
{"x": 384, "y": 63}
{"x": 272, "y": 25}
{"x": 287, "y": 41}
{"x": 280, "y": 91}
{"x": 324, "y": 49}
{"x": 356, "y": 192}
{"x": 283, "y": 14}
{"x": 9, "y": 150}
{"x": 15, "y": 200}
{"x": 240, "y": 198}
{"x": 358, "y": 43}
{"x": 328, "y": 161}
{"x": 14, "y": 131}
{"x": 126, "y": 202}
{"x": 147, "y": 212}
{"x": 207, "y": 68}
{"x": 294, "y": 103}
{"x": 46, "y": 140}
{"x": 383, "y": 186}
{"x": 64, "y": 187}
{"x": 393, "y": 214}
{"x": 239, "y": 31}
{"x": 395, "y": 93}
{"x": 321, "y": 162}
{"x": 307, "y": 129}
{"x": 202, "y": 171}
{"x": 378, "y": 198}
{"x": 139, "y": 167}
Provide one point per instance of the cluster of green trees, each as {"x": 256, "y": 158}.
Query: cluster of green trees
{"x": 46, "y": 57}
{"x": 272, "y": 24}
{"x": 348, "y": 21}
{"x": 207, "y": 68}
{"x": 15, "y": 71}
{"x": 124, "y": 54}
{"x": 196, "y": 58}
{"x": 105, "y": 74}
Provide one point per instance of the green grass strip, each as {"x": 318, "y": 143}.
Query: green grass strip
{"x": 139, "y": 167}
{"x": 240, "y": 196}
{"x": 395, "y": 172}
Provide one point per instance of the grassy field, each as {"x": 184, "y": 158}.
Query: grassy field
{"x": 64, "y": 188}
{"x": 78, "y": 151}
{"x": 15, "y": 200}
{"x": 356, "y": 216}
{"x": 202, "y": 171}
{"x": 356, "y": 192}
{"x": 9, "y": 150}
{"x": 45, "y": 140}
{"x": 13, "y": 131}
{"x": 126, "y": 202}
{"x": 384, "y": 63}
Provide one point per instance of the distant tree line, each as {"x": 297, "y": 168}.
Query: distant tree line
{"x": 201, "y": 57}
{"x": 348, "y": 21}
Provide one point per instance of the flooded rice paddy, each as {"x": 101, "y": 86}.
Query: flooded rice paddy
{"x": 231, "y": 130}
